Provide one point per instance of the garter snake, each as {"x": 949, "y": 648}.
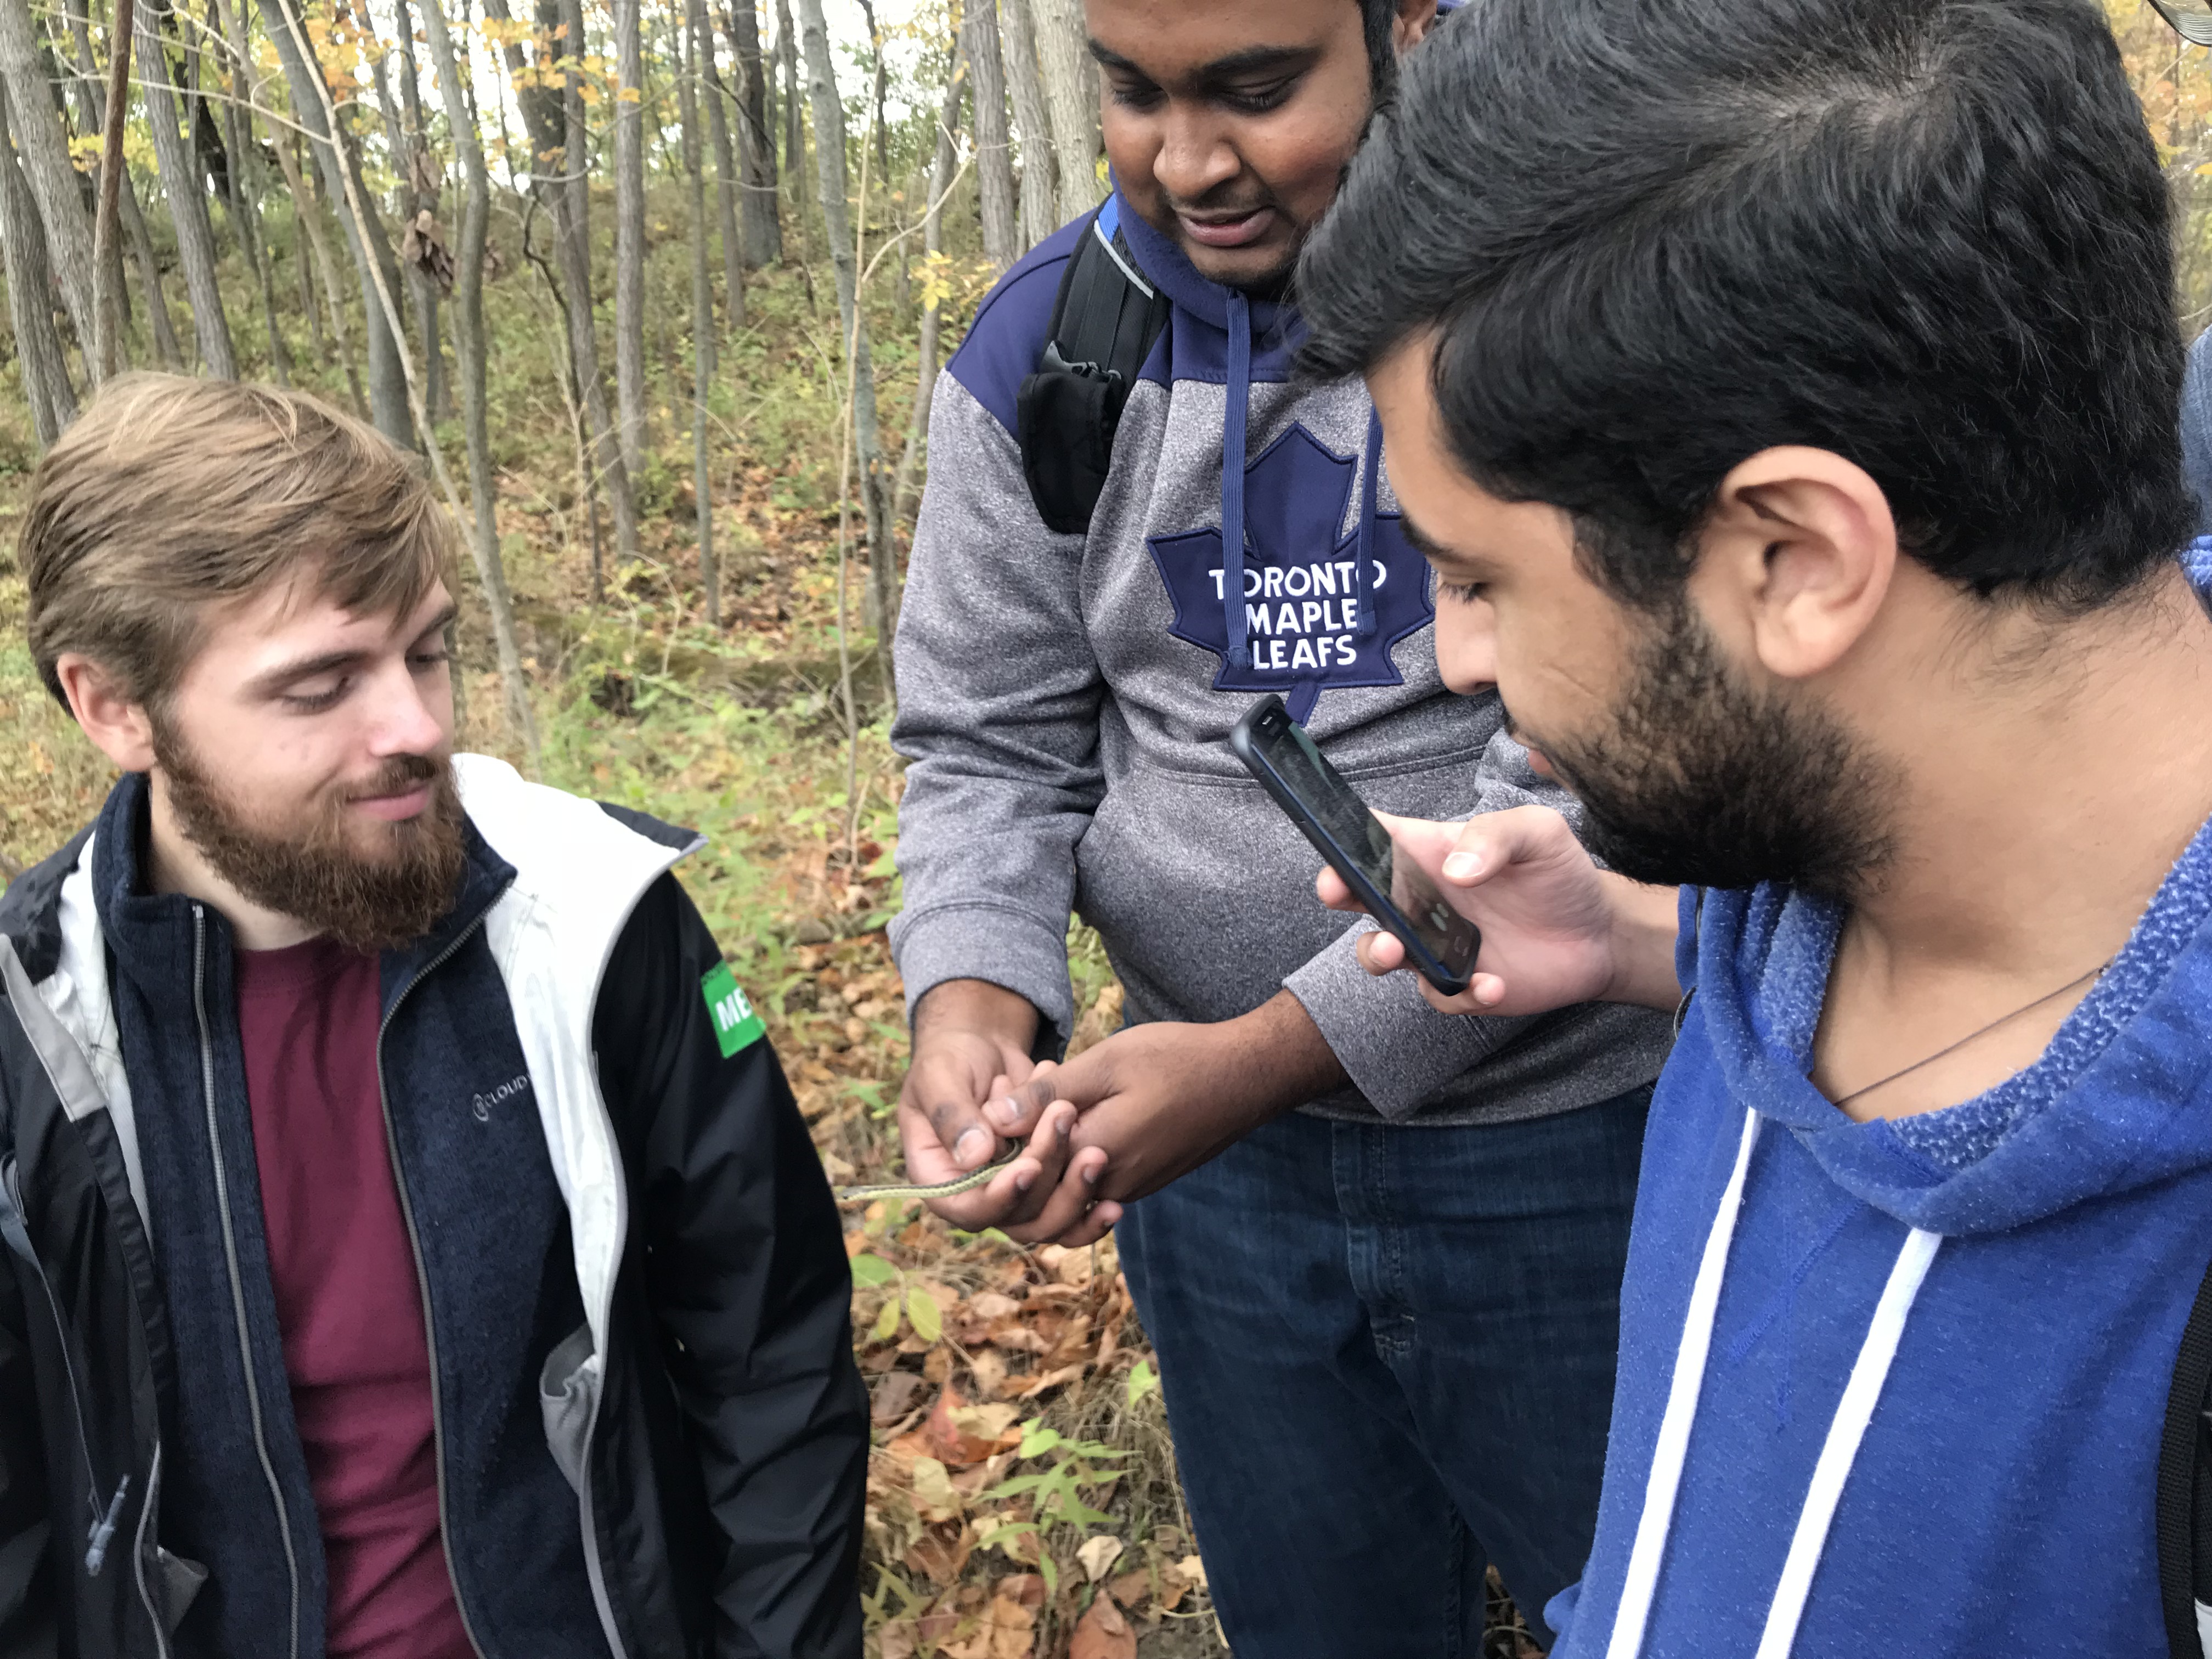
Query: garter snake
{"x": 966, "y": 1183}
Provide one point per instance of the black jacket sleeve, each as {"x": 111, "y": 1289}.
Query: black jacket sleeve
{"x": 26, "y": 1590}
{"x": 746, "y": 1276}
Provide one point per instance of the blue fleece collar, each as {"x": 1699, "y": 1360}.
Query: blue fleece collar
{"x": 2102, "y": 1110}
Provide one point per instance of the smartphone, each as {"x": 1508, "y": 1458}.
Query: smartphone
{"x": 1441, "y": 944}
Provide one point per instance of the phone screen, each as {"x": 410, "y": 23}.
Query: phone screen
{"x": 1320, "y": 789}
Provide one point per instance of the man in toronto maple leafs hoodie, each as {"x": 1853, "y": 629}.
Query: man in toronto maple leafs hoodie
{"x": 1386, "y": 1319}
{"x": 1784, "y": 391}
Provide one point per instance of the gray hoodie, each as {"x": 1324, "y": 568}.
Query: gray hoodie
{"x": 1065, "y": 702}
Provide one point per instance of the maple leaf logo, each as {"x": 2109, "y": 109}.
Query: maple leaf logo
{"x": 1301, "y": 594}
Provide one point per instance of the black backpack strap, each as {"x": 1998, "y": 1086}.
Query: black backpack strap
{"x": 2185, "y": 1489}
{"x": 1104, "y": 320}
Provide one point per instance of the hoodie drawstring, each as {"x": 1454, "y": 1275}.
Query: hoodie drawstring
{"x": 1837, "y": 1452}
{"x": 1362, "y": 577}
{"x": 1235, "y": 416}
{"x": 1239, "y": 394}
{"x": 1841, "y": 1449}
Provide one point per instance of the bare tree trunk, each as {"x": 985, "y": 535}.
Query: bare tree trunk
{"x": 1039, "y": 200}
{"x": 166, "y": 347}
{"x": 107, "y": 200}
{"x": 44, "y": 147}
{"x": 1069, "y": 94}
{"x": 729, "y": 183}
{"x": 755, "y": 136}
{"x": 311, "y": 303}
{"x": 572, "y": 224}
{"x": 764, "y": 70}
{"x": 588, "y": 491}
{"x": 702, "y": 41}
{"x": 365, "y": 241}
{"x": 30, "y": 299}
{"x": 91, "y": 104}
{"x": 470, "y": 343}
{"x": 904, "y": 485}
{"x": 188, "y": 214}
{"x": 307, "y": 221}
{"x": 794, "y": 125}
{"x": 540, "y": 103}
{"x": 402, "y": 204}
{"x": 882, "y": 73}
{"x": 420, "y": 186}
{"x": 629, "y": 233}
{"x": 829, "y": 113}
{"x": 250, "y": 182}
{"x": 89, "y": 96}
{"x": 995, "y": 167}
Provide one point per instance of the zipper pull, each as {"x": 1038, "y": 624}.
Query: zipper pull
{"x": 96, "y": 1554}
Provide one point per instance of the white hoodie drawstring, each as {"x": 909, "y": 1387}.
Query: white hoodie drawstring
{"x": 1841, "y": 1448}
{"x": 1673, "y": 1444}
{"x": 1838, "y": 1452}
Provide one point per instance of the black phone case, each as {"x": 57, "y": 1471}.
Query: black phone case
{"x": 1378, "y": 904}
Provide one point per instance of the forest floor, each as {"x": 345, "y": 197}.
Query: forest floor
{"x": 1022, "y": 1499}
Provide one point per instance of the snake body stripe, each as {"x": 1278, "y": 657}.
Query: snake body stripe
{"x": 967, "y": 1183}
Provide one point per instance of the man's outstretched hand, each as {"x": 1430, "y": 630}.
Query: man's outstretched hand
{"x": 971, "y": 1047}
{"x": 1556, "y": 929}
{"x": 1157, "y": 1100}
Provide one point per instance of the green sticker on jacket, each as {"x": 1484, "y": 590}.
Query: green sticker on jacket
{"x": 737, "y": 1025}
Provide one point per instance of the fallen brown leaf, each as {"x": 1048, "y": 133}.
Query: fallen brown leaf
{"x": 1132, "y": 1590}
{"x": 1031, "y": 1386}
{"x": 1098, "y": 1554}
{"x": 1103, "y": 1633}
{"x": 941, "y": 1553}
{"x": 956, "y": 1431}
{"x": 987, "y": 1370}
{"x": 1008, "y": 1631}
{"x": 893, "y": 1397}
{"x": 933, "y": 1493}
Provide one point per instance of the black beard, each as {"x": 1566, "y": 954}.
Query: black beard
{"x": 311, "y": 874}
{"x": 1706, "y": 781}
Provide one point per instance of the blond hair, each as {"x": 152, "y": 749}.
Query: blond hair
{"x": 169, "y": 496}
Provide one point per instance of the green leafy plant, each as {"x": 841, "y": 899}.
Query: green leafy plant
{"x": 1055, "y": 1494}
{"x": 921, "y": 1307}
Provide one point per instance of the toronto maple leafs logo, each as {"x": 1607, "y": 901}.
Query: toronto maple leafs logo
{"x": 1302, "y": 596}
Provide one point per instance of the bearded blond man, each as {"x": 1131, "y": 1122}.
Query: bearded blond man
{"x": 412, "y": 1246}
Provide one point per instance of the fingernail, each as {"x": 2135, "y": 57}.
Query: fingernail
{"x": 1003, "y": 1112}
{"x": 972, "y": 1148}
{"x": 1463, "y": 866}
{"x": 1090, "y": 1175}
{"x": 1024, "y": 1180}
{"x": 1066, "y": 1127}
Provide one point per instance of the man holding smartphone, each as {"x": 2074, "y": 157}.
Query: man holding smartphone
{"x": 1385, "y": 1307}
{"x": 1873, "y": 648}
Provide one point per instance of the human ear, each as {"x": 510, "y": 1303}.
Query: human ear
{"x": 1415, "y": 19}
{"x": 1795, "y": 558}
{"x": 118, "y": 727}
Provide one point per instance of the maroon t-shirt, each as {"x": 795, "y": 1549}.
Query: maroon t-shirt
{"x": 347, "y": 1298}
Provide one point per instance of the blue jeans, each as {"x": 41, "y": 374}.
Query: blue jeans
{"x": 1388, "y": 1358}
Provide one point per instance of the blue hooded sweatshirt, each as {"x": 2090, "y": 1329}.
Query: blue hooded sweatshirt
{"x": 1899, "y": 1387}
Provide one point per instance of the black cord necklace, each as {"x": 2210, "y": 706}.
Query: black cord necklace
{"x": 1979, "y": 1031}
